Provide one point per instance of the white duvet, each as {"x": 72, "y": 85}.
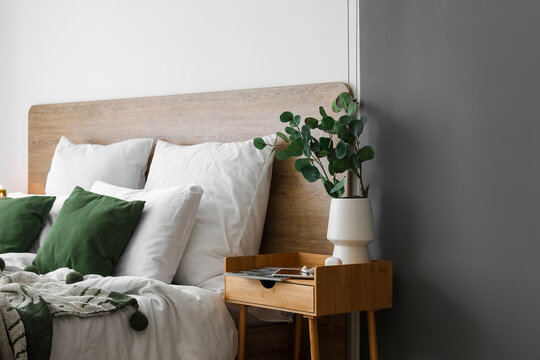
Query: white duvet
{"x": 185, "y": 322}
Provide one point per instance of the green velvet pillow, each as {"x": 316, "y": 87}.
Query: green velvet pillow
{"x": 89, "y": 234}
{"x": 21, "y": 221}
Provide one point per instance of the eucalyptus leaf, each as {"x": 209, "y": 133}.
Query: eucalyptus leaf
{"x": 328, "y": 186}
{"x": 344, "y": 99}
{"x": 341, "y": 149}
{"x": 322, "y": 153}
{"x": 340, "y": 192}
{"x": 338, "y": 186}
{"x": 289, "y": 130}
{"x": 283, "y": 136}
{"x": 311, "y": 173}
{"x": 331, "y": 167}
{"x": 295, "y": 151}
{"x": 300, "y": 163}
{"x": 354, "y": 161}
{"x": 306, "y": 133}
{"x": 341, "y": 165}
{"x": 298, "y": 143}
{"x": 322, "y": 112}
{"x": 259, "y": 143}
{"x": 282, "y": 154}
{"x": 366, "y": 153}
{"x": 343, "y": 133}
{"x": 295, "y": 121}
{"x": 312, "y": 122}
{"x": 307, "y": 150}
{"x": 327, "y": 123}
{"x": 350, "y": 150}
{"x": 287, "y": 116}
{"x": 326, "y": 143}
{"x": 335, "y": 107}
{"x": 351, "y": 110}
{"x": 356, "y": 127}
{"x": 315, "y": 146}
{"x": 345, "y": 120}
{"x": 295, "y": 134}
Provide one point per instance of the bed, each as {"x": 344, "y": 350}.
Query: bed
{"x": 190, "y": 322}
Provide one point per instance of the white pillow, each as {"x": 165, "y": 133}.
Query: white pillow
{"x": 122, "y": 164}
{"x": 236, "y": 182}
{"x": 51, "y": 218}
{"x": 157, "y": 245}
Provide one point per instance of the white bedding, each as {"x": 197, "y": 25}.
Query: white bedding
{"x": 185, "y": 322}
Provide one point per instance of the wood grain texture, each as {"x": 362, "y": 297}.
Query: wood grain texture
{"x": 282, "y": 296}
{"x": 242, "y": 332}
{"x": 372, "y": 330}
{"x": 353, "y": 287}
{"x": 298, "y": 324}
{"x": 297, "y": 211}
{"x": 314, "y": 339}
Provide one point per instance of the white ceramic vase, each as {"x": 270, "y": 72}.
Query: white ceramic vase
{"x": 350, "y": 229}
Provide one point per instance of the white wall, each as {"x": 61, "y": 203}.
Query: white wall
{"x": 68, "y": 50}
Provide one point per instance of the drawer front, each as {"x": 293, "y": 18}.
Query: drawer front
{"x": 291, "y": 297}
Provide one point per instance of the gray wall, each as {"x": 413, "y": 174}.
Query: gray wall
{"x": 451, "y": 89}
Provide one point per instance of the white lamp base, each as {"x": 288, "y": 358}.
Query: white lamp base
{"x": 352, "y": 254}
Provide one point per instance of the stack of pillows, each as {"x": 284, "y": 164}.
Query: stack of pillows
{"x": 199, "y": 204}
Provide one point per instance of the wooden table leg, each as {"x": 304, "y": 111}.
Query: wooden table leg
{"x": 298, "y": 336}
{"x": 372, "y": 330}
{"x": 242, "y": 332}
{"x": 313, "y": 338}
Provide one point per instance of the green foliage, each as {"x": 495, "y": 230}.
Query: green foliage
{"x": 259, "y": 143}
{"x": 287, "y": 116}
{"x": 312, "y": 122}
{"x": 327, "y": 123}
{"x": 300, "y": 163}
{"x": 341, "y": 150}
{"x": 339, "y": 145}
{"x": 281, "y": 135}
{"x": 366, "y": 153}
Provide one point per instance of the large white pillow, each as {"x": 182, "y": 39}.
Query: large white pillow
{"x": 236, "y": 181}
{"x": 157, "y": 245}
{"x": 122, "y": 164}
{"x": 51, "y": 218}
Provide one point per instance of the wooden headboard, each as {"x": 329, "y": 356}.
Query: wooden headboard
{"x": 297, "y": 210}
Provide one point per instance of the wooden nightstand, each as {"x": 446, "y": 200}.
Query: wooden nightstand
{"x": 334, "y": 290}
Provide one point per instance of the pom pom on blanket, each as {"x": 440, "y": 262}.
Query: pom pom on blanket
{"x": 74, "y": 277}
{"x": 138, "y": 321}
{"x": 32, "y": 268}
{"x": 2, "y": 264}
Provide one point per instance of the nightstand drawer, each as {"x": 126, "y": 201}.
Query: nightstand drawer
{"x": 291, "y": 297}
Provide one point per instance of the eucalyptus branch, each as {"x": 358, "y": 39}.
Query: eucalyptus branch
{"x": 346, "y": 155}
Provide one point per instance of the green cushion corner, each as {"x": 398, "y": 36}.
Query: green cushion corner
{"x": 21, "y": 220}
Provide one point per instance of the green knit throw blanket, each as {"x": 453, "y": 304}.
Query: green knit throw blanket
{"x": 28, "y": 302}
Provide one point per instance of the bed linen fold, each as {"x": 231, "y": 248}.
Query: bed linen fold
{"x": 185, "y": 322}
